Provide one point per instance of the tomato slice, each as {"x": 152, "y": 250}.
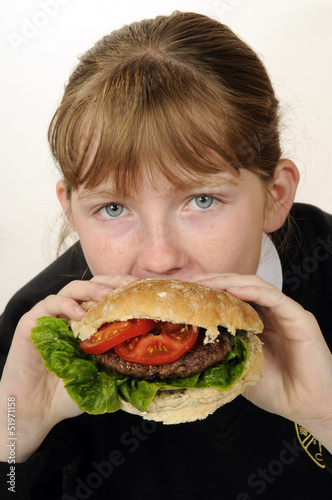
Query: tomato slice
{"x": 159, "y": 348}
{"x": 114, "y": 333}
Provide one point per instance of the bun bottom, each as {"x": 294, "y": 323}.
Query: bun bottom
{"x": 188, "y": 405}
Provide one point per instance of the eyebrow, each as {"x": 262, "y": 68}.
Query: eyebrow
{"x": 214, "y": 181}
{"x": 102, "y": 193}
{"x": 211, "y": 181}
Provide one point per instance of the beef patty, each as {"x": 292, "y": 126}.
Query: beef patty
{"x": 200, "y": 357}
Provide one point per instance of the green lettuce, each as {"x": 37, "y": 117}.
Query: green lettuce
{"x": 96, "y": 390}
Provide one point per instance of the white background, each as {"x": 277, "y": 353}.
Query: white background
{"x": 40, "y": 41}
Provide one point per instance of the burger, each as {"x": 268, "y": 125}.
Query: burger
{"x": 168, "y": 350}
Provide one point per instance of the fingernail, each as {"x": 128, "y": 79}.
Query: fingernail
{"x": 79, "y": 310}
{"x": 105, "y": 289}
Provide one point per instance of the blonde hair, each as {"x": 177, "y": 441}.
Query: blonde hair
{"x": 162, "y": 93}
{"x": 179, "y": 94}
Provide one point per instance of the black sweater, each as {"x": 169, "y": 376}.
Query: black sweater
{"x": 240, "y": 452}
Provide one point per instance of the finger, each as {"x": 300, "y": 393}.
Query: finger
{"x": 207, "y": 278}
{"x": 85, "y": 290}
{"x": 287, "y": 314}
{"x": 57, "y": 306}
{"x": 266, "y": 296}
{"x": 115, "y": 281}
{"x": 223, "y": 281}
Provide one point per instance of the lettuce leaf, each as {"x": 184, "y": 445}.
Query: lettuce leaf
{"x": 97, "y": 390}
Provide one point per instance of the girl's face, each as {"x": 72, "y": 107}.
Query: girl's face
{"x": 212, "y": 227}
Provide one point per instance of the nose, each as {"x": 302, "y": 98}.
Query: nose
{"x": 162, "y": 251}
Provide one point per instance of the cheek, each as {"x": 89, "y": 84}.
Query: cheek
{"x": 247, "y": 241}
{"x": 102, "y": 255}
{"x": 231, "y": 248}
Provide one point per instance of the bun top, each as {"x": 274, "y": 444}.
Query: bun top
{"x": 170, "y": 300}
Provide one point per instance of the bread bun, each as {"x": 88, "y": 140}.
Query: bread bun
{"x": 181, "y": 302}
{"x": 174, "y": 301}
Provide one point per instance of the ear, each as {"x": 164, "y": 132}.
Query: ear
{"x": 282, "y": 192}
{"x": 62, "y": 194}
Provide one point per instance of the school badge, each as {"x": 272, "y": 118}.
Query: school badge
{"x": 311, "y": 446}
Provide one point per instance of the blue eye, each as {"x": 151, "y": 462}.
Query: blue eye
{"x": 203, "y": 201}
{"x": 113, "y": 210}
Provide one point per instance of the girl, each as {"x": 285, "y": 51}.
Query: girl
{"x": 167, "y": 141}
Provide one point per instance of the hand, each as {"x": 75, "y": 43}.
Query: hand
{"x": 297, "y": 371}
{"x": 41, "y": 400}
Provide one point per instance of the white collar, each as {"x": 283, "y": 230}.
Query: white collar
{"x": 269, "y": 267}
